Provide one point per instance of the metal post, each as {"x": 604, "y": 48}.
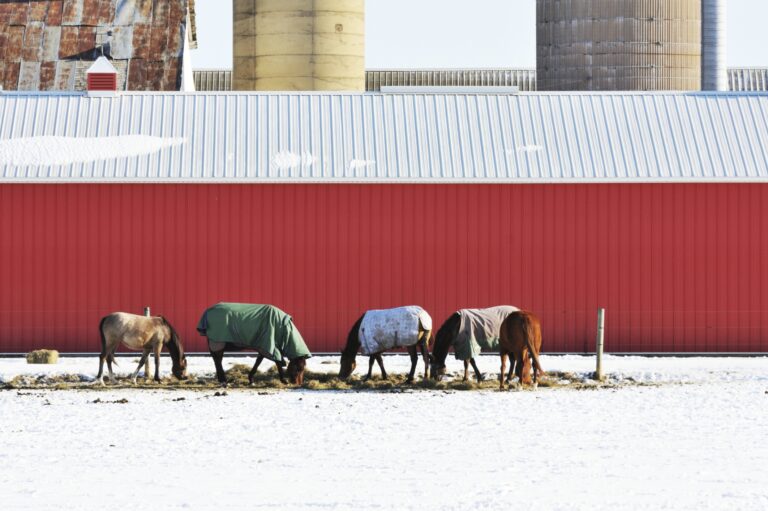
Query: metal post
{"x": 600, "y": 338}
{"x": 146, "y": 312}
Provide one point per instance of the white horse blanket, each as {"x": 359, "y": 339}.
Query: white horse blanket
{"x": 387, "y": 329}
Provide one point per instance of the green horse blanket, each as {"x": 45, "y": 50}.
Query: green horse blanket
{"x": 263, "y": 328}
{"x": 480, "y": 330}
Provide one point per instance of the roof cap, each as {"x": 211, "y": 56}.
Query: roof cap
{"x": 102, "y": 65}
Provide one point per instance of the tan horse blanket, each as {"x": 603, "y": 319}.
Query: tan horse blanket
{"x": 387, "y": 329}
{"x": 480, "y": 330}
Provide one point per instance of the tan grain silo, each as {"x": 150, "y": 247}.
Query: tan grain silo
{"x": 606, "y": 45}
{"x": 299, "y": 45}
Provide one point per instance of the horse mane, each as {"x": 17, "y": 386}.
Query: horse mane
{"x": 353, "y": 340}
{"x": 444, "y": 337}
{"x": 175, "y": 347}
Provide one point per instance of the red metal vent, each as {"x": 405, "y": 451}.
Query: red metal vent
{"x": 102, "y": 82}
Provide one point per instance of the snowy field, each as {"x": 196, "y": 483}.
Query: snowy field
{"x": 696, "y": 439}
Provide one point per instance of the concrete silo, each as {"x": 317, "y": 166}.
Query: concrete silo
{"x": 605, "y": 45}
{"x": 299, "y": 45}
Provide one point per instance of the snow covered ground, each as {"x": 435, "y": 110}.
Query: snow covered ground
{"x": 695, "y": 442}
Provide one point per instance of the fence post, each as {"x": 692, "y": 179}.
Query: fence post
{"x": 146, "y": 312}
{"x": 600, "y": 339}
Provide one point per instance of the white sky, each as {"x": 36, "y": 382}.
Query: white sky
{"x": 463, "y": 33}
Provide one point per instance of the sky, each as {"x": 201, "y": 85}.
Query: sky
{"x": 463, "y": 33}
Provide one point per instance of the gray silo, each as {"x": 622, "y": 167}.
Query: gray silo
{"x": 299, "y": 45}
{"x": 605, "y": 45}
{"x": 714, "y": 70}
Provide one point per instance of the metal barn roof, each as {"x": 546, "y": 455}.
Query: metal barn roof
{"x": 384, "y": 138}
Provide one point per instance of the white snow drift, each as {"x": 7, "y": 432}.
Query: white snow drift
{"x": 51, "y": 150}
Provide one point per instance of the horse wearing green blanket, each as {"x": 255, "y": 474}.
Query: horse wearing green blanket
{"x": 261, "y": 328}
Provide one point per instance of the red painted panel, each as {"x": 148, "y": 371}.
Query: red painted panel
{"x": 678, "y": 267}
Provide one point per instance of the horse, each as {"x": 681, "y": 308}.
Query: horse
{"x": 262, "y": 328}
{"x": 140, "y": 333}
{"x": 409, "y": 327}
{"x": 521, "y": 339}
{"x": 451, "y": 332}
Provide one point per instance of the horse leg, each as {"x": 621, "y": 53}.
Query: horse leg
{"x": 503, "y": 372}
{"x": 425, "y": 355}
{"x": 100, "y": 376}
{"x": 158, "y": 349}
{"x": 414, "y": 361}
{"x": 371, "y": 359}
{"x": 478, "y": 374}
{"x": 466, "y": 370}
{"x": 519, "y": 369}
{"x": 142, "y": 361}
{"x": 525, "y": 379}
{"x": 511, "y": 372}
{"x": 217, "y": 358}
{"x": 110, "y": 359}
{"x": 281, "y": 374}
{"x": 255, "y": 368}
{"x": 146, "y": 367}
{"x": 381, "y": 366}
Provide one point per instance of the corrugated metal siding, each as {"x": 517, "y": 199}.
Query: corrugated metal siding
{"x": 525, "y": 79}
{"x": 748, "y": 79}
{"x": 406, "y": 138}
{"x": 678, "y": 267}
{"x": 213, "y": 80}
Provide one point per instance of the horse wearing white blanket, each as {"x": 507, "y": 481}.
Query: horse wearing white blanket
{"x": 378, "y": 331}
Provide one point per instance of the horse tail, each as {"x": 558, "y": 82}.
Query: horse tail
{"x": 110, "y": 357}
{"x": 533, "y": 334}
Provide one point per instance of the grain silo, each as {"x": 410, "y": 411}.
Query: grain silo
{"x": 603, "y": 45}
{"x": 299, "y": 45}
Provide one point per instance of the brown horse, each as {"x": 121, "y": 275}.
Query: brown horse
{"x": 521, "y": 340}
{"x": 142, "y": 334}
{"x": 420, "y": 340}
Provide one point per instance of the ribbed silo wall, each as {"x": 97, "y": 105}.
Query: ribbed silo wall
{"x": 605, "y": 45}
{"x": 299, "y": 45}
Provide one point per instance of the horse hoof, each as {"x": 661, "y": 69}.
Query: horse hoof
{"x": 283, "y": 381}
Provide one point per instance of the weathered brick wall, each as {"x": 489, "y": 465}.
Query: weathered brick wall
{"x": 50, "y": 44}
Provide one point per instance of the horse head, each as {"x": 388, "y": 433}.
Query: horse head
{"x": 347, "y": 366}
{"x": 296, "y": 369}
{"x": 436, "y": 369}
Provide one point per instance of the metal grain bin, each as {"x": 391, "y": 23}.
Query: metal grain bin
{"x": 605, "y": 45}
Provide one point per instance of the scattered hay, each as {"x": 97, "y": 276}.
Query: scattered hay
{"x": 268, "y": 382}
{"x": 115, "y": 402}
{"x": 43, "y": 357}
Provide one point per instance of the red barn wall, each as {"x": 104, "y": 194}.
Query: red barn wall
{"x": 679, "y": 268}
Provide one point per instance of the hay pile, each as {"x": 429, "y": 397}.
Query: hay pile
{"x": 43, "y": 357}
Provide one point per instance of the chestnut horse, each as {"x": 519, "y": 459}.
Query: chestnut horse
{"x": 521, "y": 340}
{"x": 144, "y": 334}
{"x": 349, "y": 354}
